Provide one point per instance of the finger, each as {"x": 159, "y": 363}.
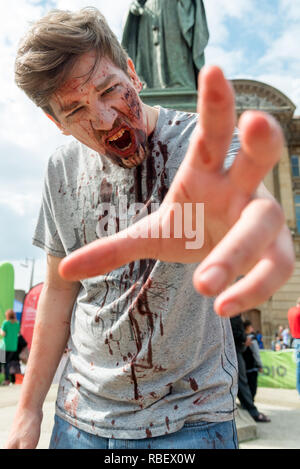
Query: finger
{"x": 261, "y": 282}
{"x": 241, "y": 248}
{"x": 216, "y": 108}
{"x": 97, "y": 258}
{"x": 261, "y": 148}
{"x": 106, "y": 254}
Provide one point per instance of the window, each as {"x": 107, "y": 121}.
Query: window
{"x": 297, "y": 207}
{"x": 295, "y": 166}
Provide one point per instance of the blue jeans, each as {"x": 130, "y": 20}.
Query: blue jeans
{"x": 194, "y": 435}
{"x": 297, "y": 353}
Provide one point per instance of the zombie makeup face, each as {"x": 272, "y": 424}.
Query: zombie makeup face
{"x": 104, "y": 111}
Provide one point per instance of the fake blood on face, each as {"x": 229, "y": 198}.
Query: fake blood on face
{"x": 103, "y": 111}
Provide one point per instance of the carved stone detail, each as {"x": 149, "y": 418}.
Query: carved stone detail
{"x": 251, "y": 94}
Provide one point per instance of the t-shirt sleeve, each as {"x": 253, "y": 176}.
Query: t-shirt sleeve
{"x": 46, "y": 235}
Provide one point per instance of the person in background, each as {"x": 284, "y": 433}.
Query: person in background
{"x": 286, "y": 338}
{"x": 259, "y": 338}
{"x": 244, "y": 393}
{"x": 252, "y": 358}
{"x": 10, "y": 331}
{"x": 294, "y": 323}
{"x": 276, "y": 344}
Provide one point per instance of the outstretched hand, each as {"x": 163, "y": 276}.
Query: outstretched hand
{"x": 243, "y": 231}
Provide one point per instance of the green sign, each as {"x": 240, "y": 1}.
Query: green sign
{"x": 279, "y": 369}
{"x": 7, "y": 291}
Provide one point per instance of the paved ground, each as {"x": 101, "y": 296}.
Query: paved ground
{"x": 283, "y": 432}
{"x": 282, "y": 406}
{"x": 9, "y": 396}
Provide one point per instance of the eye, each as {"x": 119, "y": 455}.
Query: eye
{"x": 109, "y": 90}
{"x": 74, "y": 112}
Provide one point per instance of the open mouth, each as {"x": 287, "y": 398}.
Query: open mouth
{"x": 122, "y": 141}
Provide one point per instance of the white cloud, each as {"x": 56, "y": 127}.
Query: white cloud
{"x": 284, "y": 48}
{"x": 19, "y": 203}
{"x": 280, "y": 65}
{"x": 218, "y": 11}
{"x": 23, "y": 123}
{"x": 290, "y": 9}
{"x": 228, "y": 60}
{"x": 113, "y": 11}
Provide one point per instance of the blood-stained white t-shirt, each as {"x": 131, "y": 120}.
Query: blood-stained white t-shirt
{"x": 147, "y": 353}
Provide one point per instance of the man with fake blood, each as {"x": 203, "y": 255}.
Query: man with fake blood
{"x": 151, "y": 358}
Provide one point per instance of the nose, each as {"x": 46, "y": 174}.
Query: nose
{"x": 103, "y": 118}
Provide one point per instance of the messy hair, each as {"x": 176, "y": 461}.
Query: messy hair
{"x": 10, "y": 315}
{"x": 51, "y": 47}
{"x": 247, "y": 323}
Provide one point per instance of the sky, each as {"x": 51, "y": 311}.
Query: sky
{"x": 252, "y": 39}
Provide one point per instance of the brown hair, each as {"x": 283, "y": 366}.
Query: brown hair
{"x": 49, "y": 50}
{"x": 10, "y": 315}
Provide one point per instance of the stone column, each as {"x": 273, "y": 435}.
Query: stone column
{"x": 286, "y": 189}
{"x": 269, "y": 182}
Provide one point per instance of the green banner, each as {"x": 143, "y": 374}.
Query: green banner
{"x": 7, "y": 292}
{"x": 279, "y": 369}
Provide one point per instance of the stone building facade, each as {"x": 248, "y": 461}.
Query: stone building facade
{"x": 284, "y": 183}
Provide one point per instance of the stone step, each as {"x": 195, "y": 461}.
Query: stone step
{"x": 246, "y": 426}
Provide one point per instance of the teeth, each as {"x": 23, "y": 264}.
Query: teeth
{"x": 133, "y": 160}
{"x": 117, "y": 135}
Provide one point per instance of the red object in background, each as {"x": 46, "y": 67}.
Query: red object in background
{"x": 19, "y": 379}
{"x": 294, "y": 321}
{"x": 29, "y": 312}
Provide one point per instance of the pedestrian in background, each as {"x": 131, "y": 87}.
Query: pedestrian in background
{"x": 259, "y": 338}
{"x": 294, "y": 323}
{"x": 286, "y": 338}
{"x": 277, "y": 342}
{"x": 10, "y": 330}
{"x": 252, "y": 358}
{"x": 244, "y": 393}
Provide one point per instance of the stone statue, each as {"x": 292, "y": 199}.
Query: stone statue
{"x": 166, "y": 41}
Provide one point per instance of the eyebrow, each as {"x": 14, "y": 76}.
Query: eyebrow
{"x": 105, "y": 82}
{"x": 69, "y": 107}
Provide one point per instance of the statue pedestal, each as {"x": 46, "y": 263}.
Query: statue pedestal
{"x": 182, "y": 99}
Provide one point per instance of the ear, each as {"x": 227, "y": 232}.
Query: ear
{"x": 58, "y": 124}
{"x": 133, "y": 75}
